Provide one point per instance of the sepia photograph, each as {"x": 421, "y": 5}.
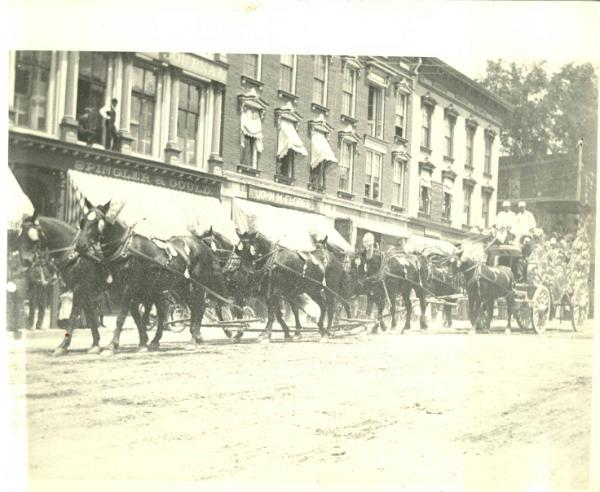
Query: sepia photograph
{"x": 320, "y": 263}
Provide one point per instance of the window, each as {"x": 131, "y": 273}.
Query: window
{"x": 285, "y": 165}
{"x": 447, "y": 206}
{"x": 373, "y": 175}
{"x": 143, "y": 98}
{"x": 375, "y": 111}
{"x": 287, "y": 77}
{"x": 320, "y": 80}
{"x": 467, "y": 191}
{"x": 346, "y": 166}
{"x": 425, "y": 194}
{"x": 400, "y": 118}
{"x": 348, "y": 91}
{"x": 489, "y": 140}
{"x": 469, "y": 146}
{"x": 426, "y": 112}
{"x": 399, "y": 169}
{"x": 188, "y": 116}
{"x": 91, "y": 90}
{"x": 31, "y": 88}
{"x": 485, "y": 210}
{"x": 252, "y": 66}
{"x": 449, "y": 122}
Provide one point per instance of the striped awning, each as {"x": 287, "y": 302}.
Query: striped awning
{"x": 320, "y": 150}
{"x": 153, "y": 210}
{"x": 252, "y": 127}
{"x": 18, "y": 203}
{"x": 289, "y": 140}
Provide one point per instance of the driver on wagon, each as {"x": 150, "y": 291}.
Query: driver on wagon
{"x": 368, "y": 242}
{"x": 505, "y": 224}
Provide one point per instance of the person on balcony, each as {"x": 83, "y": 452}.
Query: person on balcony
{"x": 505, "y": 224}
{"x": 109, "y": 113}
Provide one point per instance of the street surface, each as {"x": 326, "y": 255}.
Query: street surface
{"x": 441, "y": 409}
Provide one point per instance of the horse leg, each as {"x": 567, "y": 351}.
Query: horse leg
{"x": 197, "y": 305}
{"x": 393, "y": 313}
{"x": 331, "y": 306}
{"x": 219, "y": 311}
{"x": 32, "y": 298}
{"x": 75, "y": 311}
{"x": 41, "y": 308}
{"x": 447, "y": 316}
{"x": 296, "y": 311}
{"x": 509, "y": 309}
{"x": 113, "y": 346}
{"x": 280, "y": 320}
{"x": 423, "y": 305}
{"x": 407, "y": 307}
{"x": 90, "y": 313}
{"x": 265, "y": 335}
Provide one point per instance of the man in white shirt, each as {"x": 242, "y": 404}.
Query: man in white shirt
{"x": 524, "y": 222}
{"x": 505, "y": 223}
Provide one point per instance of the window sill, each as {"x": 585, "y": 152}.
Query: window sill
{"x": 348, "y": 119}
{"x": 345, "y": 195}
{"x": 287, "y": 95}
{"x": 398, "y": 208}
{"x": 448, "y": 159}
{"x": 423, "y": 215}
{"x": 446, "y": 221}
{"x": 469, "y": 167}
{"x": 371, "y": 201}
{"x": 247, "y": 170}
{"x": 466, "y": 227}
{"x": 319, "y": 108}
{"x": 426, "y": 150}
{"x": 246, "y": 80}
{"x": 317, "y": 189}
{"x": 280, "y": 178}
{"x": 487, "y": 175}
{"x": 400, "y": 140}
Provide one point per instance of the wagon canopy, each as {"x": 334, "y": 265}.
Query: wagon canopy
{"x": 18, "y": 203}
{"x": 155, "y": 211}
{"x": 290, "y": 228}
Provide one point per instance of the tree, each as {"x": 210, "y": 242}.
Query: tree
{"x": 551, "y": 113}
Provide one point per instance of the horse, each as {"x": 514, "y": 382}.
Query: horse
{"x": 484, "y": 284}
{"x": 385, "y": 275}
{"x": 83, "y": 274}
{"x": 279, "y": 273}
{"x": 443, "y": 280}
{"x": 147, "y": 271}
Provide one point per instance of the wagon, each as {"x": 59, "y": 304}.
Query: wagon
{"x": 538, "y": 301}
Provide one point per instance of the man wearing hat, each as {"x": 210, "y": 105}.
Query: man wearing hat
{"x": 505, "y": 223}
{"x": 524, "y": 222}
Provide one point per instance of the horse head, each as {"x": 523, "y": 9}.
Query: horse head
{"x": 249, "y": 249}
{"x": 31, "y": 240}
{"x": 99, "y": 224}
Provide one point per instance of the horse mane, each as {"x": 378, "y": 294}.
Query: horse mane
{"x": 222, "y": 239}
{"x": 336, "y": 250}
{"x": 54, "y": 229}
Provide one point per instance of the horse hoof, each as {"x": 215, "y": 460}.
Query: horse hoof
{"x": 191, "y": 347}
{"x": 109, "y": 352}
{"x": 264, "y": 340}
{"x": 95, "y": 350}
{"x": 145, "y": 348}
{"x": 59, "y": 352}
{"x": 227, "y": 333}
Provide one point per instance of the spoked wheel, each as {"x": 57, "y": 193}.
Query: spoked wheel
{"x": 178, "y": 318}
{"x": 580, "y": 306}
{"x": 540, "y": 305}
{"x": 523, "y": 315}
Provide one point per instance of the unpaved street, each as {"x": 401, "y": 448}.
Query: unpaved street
{"x": 417, "y": 409}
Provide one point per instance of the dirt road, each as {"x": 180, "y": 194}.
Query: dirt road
{"x": 420, "y": 409}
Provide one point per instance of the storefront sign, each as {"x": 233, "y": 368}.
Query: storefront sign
{"x": 271, "y": 196}
{"x": 166, "y": 181}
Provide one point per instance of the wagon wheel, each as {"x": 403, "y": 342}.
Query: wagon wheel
{"x": 178, "y": 317}
{"x": 540, "y": 306}
{"x": 523, "y": 314}
{"x": 580, "y": 306}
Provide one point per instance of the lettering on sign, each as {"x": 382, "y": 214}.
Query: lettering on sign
{"x": 264, "y": 195}
{"x": 144, "y": 177}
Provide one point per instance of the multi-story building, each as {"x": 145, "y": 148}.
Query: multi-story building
{"x": 390, "y": 145}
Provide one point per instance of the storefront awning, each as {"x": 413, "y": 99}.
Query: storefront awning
{"x": 290, "y": 228}
{"x": 425, "y": 179}
{"x": 393, "y": 230}
{"x": 18, "y": 203}
{"x": 289, "y": 140}
{"x": 320, "y": 150}
{"x": 153, "y": 210}
{"x": 252, "y": 127}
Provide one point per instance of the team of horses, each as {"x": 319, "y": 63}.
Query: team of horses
{"x": 106, "y": 254}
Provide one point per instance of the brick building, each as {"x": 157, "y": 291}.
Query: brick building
{"x": 415, "y": 143}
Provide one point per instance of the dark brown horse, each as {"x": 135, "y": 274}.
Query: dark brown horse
{"x": 40, "y": 276}
{"x": 83, "y": 274}
{"x": 484, "y": 285}
{"x": 387, "y": 275}
{"x": 146, "y": 273}
{"x": 443, "y": 280}
{"x": 280, "y": 273}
